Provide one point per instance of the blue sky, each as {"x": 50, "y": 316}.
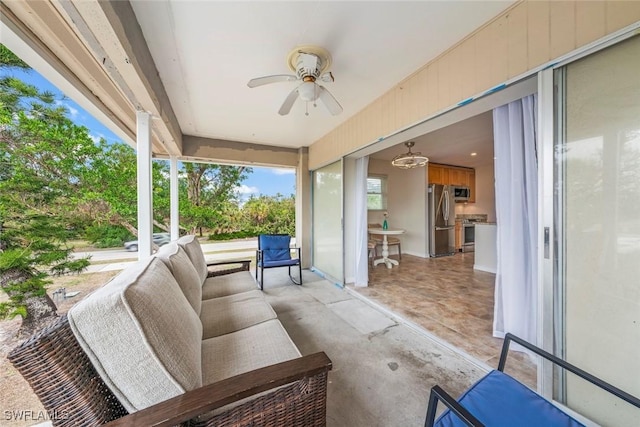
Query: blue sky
{"x": 267, "y": 181}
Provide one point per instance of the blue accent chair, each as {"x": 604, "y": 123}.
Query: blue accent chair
{"x": 500, "y": 400}
{"x": 274, "y": 250}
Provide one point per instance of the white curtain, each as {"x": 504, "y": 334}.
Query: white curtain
{"x": 362, "y": 252}
{"x": 514, "y": 128}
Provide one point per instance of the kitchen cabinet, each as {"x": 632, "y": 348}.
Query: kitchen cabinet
{"x": 471, "y": 180}
{"x": 458, "y": 176}
{"x": 453, "y": 175}
{"x": 458, "y": 232}
{"x": 437, "y": 174}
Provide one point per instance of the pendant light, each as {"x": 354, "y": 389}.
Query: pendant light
{"x": 409, "y": 160}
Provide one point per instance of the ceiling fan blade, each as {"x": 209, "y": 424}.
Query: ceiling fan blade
{"x": 329, "y": 101}
{"x": 288, "y": 103}
{"x": 259, "y": 81}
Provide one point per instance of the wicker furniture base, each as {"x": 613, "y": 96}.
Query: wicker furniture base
{"x": 61, "y": 375}
{"x": 299, "y": 404}
{"x": 291, "y": 393}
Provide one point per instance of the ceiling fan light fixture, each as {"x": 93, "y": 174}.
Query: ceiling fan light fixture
{"x": 409, "y": 160}
{"x": 307, "y": 91}
{"x": 310, "y": 64}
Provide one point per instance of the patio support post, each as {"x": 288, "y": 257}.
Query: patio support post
{"x": 145, "y": 194}
{"x": 303, "y": 207}
{"x": 173, "y": 193}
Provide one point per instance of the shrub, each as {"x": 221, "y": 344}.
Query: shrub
{"x": 107, "y": 236}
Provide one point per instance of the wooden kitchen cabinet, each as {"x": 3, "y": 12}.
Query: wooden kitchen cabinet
{"x": 458, "y": 233}
{"x": 437, "y": 174}
{"x": 458, "y": 176}
{"x": 453, "y": 175}
{"x": 471, "y": 180}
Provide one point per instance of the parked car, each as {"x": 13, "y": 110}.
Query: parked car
{"x": 158, "y": 238}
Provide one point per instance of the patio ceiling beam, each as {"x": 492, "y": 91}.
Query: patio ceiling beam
{"x": 111, "y": 32}
{"x": 199, "y": 149}
{"x": 38, "y": 34}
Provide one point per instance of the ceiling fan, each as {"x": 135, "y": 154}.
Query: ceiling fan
{"x": 310, "y": 63}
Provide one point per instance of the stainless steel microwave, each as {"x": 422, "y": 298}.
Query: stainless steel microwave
{"x": 461, "y": 194}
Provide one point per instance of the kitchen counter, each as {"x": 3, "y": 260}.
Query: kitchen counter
{"x": 486, "y": 252}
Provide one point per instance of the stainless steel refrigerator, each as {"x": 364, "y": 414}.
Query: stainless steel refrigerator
{"x": 441, "y": 220}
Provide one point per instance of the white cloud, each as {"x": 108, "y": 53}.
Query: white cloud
{"x": 283, "y": 171}
{"x": 96, "y": 138}
{"x": 73, "y": 111}
{"x": 245, "y": 189}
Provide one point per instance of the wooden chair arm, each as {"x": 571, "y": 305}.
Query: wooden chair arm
{"x": 213, "y": 396}
{"x": 245, "y": 265}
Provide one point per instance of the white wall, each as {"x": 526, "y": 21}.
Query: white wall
{"x": 485, "y": 195}
{"x": 406, "y": 204}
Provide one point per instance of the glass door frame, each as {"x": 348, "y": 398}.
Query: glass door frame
{"x": 340, "y": 281}
{"x": 550, "y": 286}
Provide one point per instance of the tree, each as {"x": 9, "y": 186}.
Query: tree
{"x": 109, "y": 194}
{"x": 34, "y": 192}
{"x": 270, "y": 214}
{"x": 209, "y": 190}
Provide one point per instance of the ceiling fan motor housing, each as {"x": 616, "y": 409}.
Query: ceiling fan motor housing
{"x": 308, "y": 67}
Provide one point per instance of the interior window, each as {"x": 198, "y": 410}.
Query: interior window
{"x": 376, "y": 193}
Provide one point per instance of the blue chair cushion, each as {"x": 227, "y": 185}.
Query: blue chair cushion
{"x": 283, "y": 263}
{"x": 499, "y": 400}
{"x": 275, "y": 247}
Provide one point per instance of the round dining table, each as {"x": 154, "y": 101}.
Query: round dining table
{"x": 385, "y": 245}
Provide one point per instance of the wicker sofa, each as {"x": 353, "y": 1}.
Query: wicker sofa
{"x": 170, "y": 340}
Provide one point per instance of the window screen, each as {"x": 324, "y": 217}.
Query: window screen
{"x": 376, "y": 193}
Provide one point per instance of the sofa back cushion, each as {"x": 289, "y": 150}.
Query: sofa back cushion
{"x": 192, "y": 247}
{"x": 178, "y": 262}
{"x": 141, "y": 334}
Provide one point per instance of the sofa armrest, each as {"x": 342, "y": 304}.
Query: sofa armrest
{"x": 227, "y": 267}
{"x": 213, "y": 396}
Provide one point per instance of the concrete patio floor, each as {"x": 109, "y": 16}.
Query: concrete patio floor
{"x": 382, "y": 369}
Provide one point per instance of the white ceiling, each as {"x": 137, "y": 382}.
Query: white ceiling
{"x": 206, "y": 52}
{"x": 453, "y": 145}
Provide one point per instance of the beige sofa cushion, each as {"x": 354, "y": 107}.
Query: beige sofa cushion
{"x": 245, "y": 350}
{"x": 223, "y": 315}
{"x": 141, "y": 335}
{"x": 192, "y": 247}
{"x": 228, "y": 284}
{"x": 184, "y": 272}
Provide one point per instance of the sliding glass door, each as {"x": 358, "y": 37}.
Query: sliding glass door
{"x": 597, "y": 222}
{"x": 327, "y": 222}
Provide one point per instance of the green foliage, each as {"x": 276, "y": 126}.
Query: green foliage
{"x": 209, "y": 199}
{"x": 56, "y": 182}
{"x": 9, "y": 59}
{"x": 232, "y": 235}
{"x": 15, "y": 259}
{"x": 259, "y": 215}
{"x": 44, "y": 157}
{"x": 107, "y": 235}
{"x": 9, "y": 311}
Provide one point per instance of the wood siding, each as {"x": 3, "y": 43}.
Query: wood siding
{"x": 526, "y": 36}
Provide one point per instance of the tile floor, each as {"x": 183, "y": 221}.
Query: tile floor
{"x": 449, "y": 299}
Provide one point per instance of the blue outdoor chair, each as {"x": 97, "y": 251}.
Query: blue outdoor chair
{"x": 274, "y": 251}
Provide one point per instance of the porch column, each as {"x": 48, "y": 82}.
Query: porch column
{"x": 303, "y": 207}
{"x": 173, "y": 193}
{"x": 145, "y": 194}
